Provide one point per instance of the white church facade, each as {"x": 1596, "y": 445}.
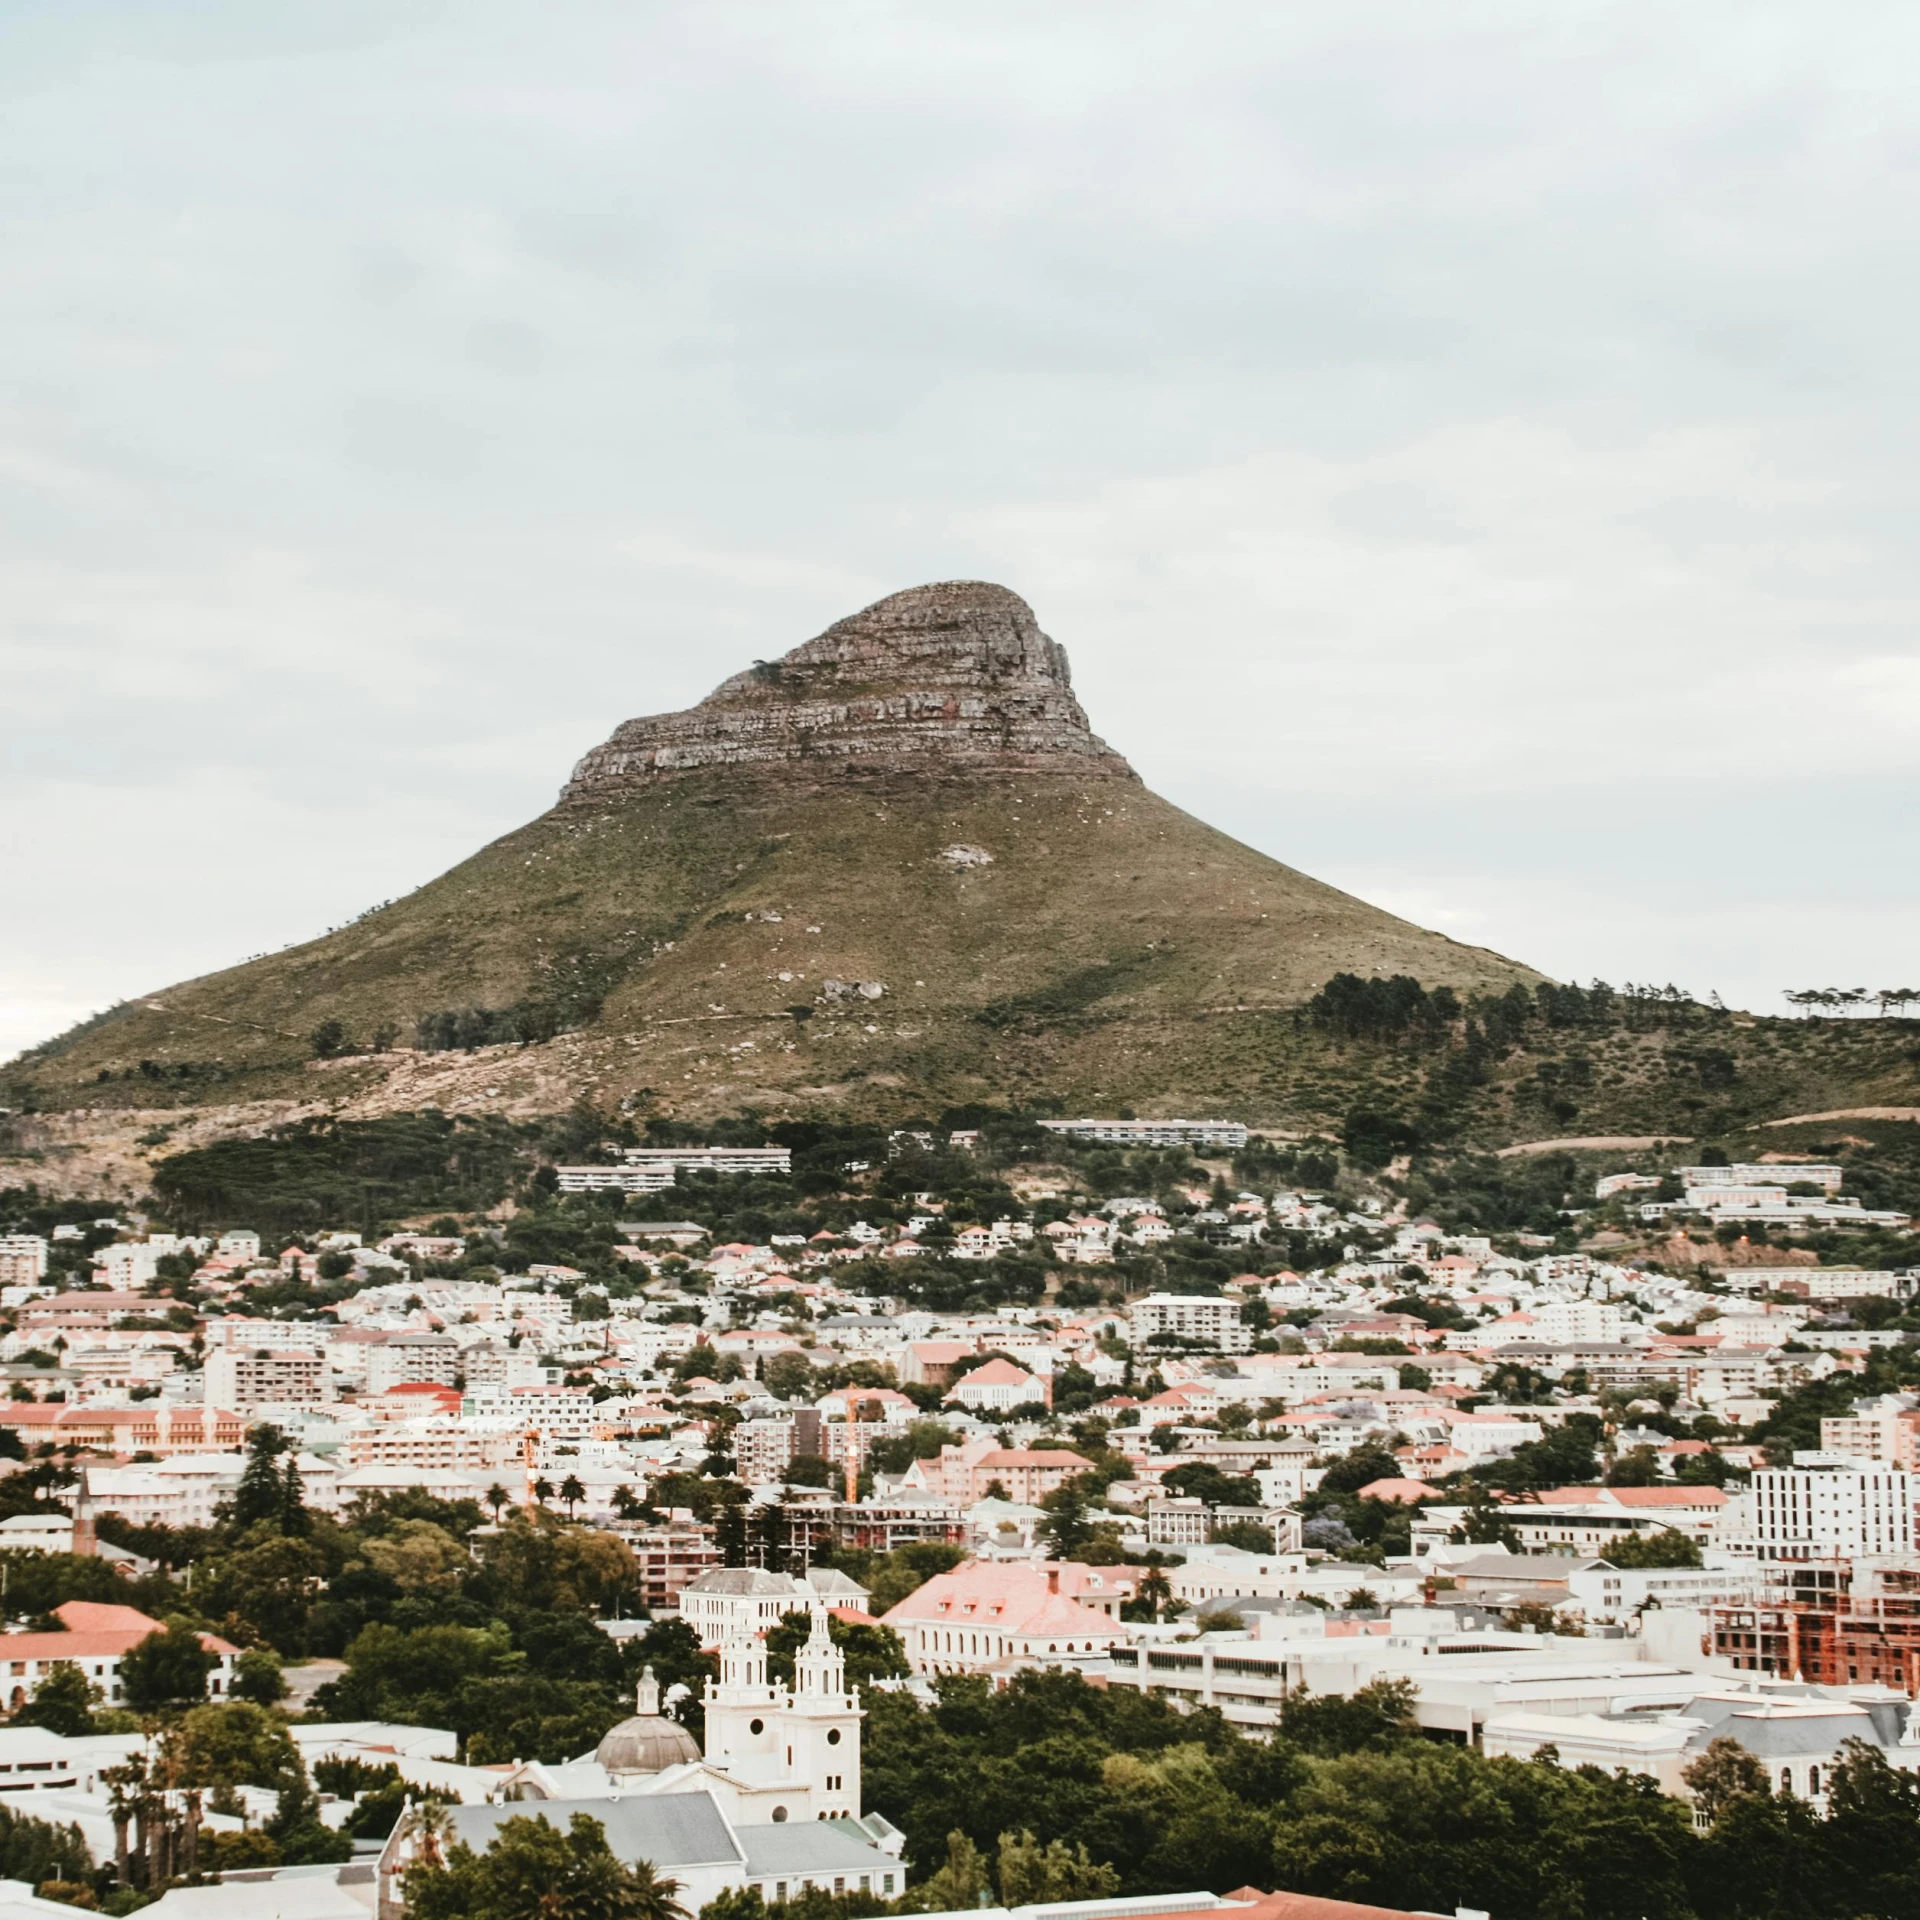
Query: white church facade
{"x": 773, "y": 1803}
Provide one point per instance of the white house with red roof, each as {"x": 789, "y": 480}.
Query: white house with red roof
{"x": 996, "y": 1617}
{"x": 97, "y": 1637}
{"x": 1000, "y": 1386}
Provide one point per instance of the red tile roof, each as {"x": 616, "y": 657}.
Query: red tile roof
{"x": 95, "y": 1631}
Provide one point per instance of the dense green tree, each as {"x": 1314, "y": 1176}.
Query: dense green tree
{"x": 872, "y": 1652}
{"x": 235, "y": 1744}
{"x": 257, "y": 1678}
{"x": 1665, "y": 1547}
{"x": 63, "y": 1702}
{"x": 533, "y": 1871}
{"x": 167, "y": 1669}
{"x": 1871, "y": 1839}
{"x": 36, "y": 1851}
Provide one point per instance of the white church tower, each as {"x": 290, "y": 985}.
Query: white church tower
{"x": 800, "y": 1749}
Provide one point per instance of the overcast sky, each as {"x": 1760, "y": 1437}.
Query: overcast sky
{"x": 1469, "y": 452}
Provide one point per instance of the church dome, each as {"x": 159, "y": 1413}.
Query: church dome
{"x": 649, "y": 1742}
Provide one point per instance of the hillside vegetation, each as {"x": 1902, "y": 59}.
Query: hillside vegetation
{"x": 687, "y": 939}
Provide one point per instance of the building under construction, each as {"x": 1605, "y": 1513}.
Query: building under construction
{"x": 1831, "y": 1622}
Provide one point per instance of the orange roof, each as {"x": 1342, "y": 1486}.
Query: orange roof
{"x": 1302, "y": 1906}
{"x": 996, "y": 1373}
{"x": 98, "y": 1616}
{"x": 1017, "y": 1599}
{"x": 95, "y": 1632}
{"x": 1633, "y": 1496}
{"x": 1405, "y": 1493}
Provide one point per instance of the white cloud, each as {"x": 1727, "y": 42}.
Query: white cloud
{"x": 1468, "y": 453}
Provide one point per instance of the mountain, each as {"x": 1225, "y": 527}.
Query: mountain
{"x": 892, "y": 869}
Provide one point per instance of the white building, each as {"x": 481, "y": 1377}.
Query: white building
{"x": 413, "y": 1359}
{"x": 126, "y": 1264}
{"x": 1154, "y": 1133}
{"x": 654, "y": 1169}
{"x": 730, "y": 1601}
{"x": 183, "y": 1491}
{"x": 1202, "y": 1318}
{"x": 23, "y": 1259}
{"x": 245, "y": 1379}
{"x": 1577, "y": 1320}
{"x": 774, "y": 1805}
{"x": 1764, "y": 1174}
{"x": 1829, "y": 1507}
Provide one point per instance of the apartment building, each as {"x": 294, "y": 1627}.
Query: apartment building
{"x": 1204, "y": 1319}
{"x": 23, "y": 1260}
{"x": 764, "y": 1448}
{"x": 1875, "y": 1430}
{"x": 1827, "y": 1507}
{"x": 1227, "y": 1134}
{"x": 670, "y": 1558}
{"x": 267, "y": 1377}
{"x": 413, "y": 1359}
{"x": 654, "y": 1169}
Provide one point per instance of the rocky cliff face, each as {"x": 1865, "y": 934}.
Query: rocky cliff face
{"x": 957, "y": 674}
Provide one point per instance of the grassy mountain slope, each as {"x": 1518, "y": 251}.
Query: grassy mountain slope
{"x": 1112, "y": 949}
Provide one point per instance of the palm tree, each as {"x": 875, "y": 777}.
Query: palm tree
{"x": 496, "y": 1497}
{"x": 543, "y": 1490}
{"x": 627, "y": 1504}
{"x": 572, "y": 1492}
{"x": 652, "y": 1896}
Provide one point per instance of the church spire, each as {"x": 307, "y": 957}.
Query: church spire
{"x": 820, "y": 1668}
{"x": 743, "y": 1662}
{"x": 646, "y": 1696}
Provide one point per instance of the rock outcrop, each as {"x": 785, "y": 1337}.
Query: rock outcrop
{"x": 954, "y": 675}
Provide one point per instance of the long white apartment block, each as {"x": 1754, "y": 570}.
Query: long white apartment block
{"x": 1764, "y": 1174}
{"x": 1153, "y": 1133}
{"x": 654, "y": 1169}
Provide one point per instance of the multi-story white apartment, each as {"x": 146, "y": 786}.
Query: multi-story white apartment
{"x": 126, "y": 1263}
{"x": 434, "y": 1443}
{"x": 1577, "y": 1320}
{"x": 235, "y": 1330}
{"x": 23, "y": 1259}
{"x": 491, "y": 1364}
{"x": 1830, "y": 1508}
{"x": 765, "y": 1447}
{"x": 413, "y": 1359}
{"x": 185, "y": 1490}
{"x": 261, "y": 1377}
{"x": 1882, "y": 1429}
{"x": 1202, "y": 1318}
